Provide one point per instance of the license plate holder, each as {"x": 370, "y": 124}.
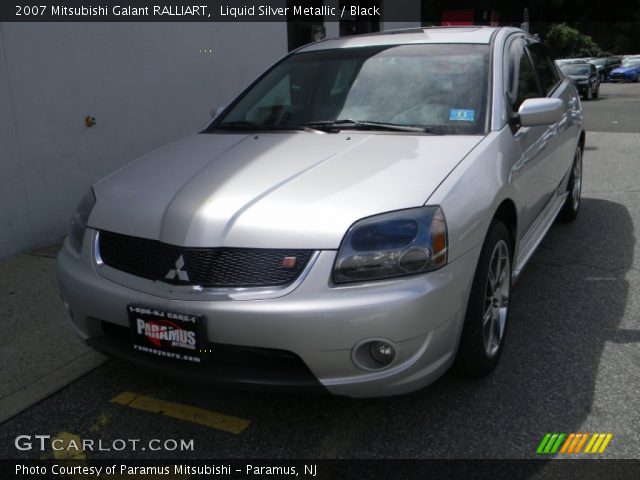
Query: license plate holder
{"x": 166, "y": 334}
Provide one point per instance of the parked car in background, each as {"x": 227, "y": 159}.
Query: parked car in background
{"x": 567, "y": 61}
{"x": 585, "y": 78}
{"x": 629, "y": 71}
{"x": 604, "y": 66}
{"x": 351, "y": 223}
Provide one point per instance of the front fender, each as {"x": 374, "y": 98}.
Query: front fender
{"x": 474, "y": 190}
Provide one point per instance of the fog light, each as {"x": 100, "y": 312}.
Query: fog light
{"x": 373, "y": 354}
{"x": 381, "y": 352}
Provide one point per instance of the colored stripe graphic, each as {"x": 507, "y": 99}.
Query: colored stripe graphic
{"x": 591, "y": 442}
{"x": 556, "y": 445}
{"x": 543, "y": 443}
{"x": 551, "y": 443}
{"x": 570, "y": 439}
{"x": 607, "y": 439}
{"x": 581, "y": 442}
{"x": 572, "y": 443}
{"x": 598, "y": 443}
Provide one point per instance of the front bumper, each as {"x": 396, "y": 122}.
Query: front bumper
{"x": 320, "y": 324}
{"x": 581, "y": 87}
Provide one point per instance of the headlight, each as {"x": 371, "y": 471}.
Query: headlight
{"x": 78, "y": 221}
{"x": 393, "y": 244}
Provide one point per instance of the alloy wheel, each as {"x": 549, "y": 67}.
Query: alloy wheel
{"x": 577, "y": 180}
{"x": 496, "y": 302}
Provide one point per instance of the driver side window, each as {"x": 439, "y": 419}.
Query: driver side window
{"x": 527, "y": 82}
{"x": 522, "y": 79}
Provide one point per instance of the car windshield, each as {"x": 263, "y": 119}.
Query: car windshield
{"x": 631, "y": 63}
{"x": 440, "y": 89}
{"x": 575, "y": 69}
{"x": 600, "y": 61}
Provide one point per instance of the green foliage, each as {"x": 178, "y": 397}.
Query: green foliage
{"x": 565, "y": 41}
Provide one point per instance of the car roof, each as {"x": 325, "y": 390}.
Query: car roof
{"x": 427, "y": 35}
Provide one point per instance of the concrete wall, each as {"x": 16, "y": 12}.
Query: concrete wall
{"x": 145, "y": 83}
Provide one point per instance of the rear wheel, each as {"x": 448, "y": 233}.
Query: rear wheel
{"x": 485, "y": 321}
{"x": 571, "y": 205}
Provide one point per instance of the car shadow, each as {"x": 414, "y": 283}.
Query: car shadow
{"x": 567, "y": 305}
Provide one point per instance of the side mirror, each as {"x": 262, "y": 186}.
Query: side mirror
{"x": 540, "y": 111}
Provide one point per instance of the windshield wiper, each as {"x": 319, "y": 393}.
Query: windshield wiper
{"x": 345, "y": 124}
{"x": 250, "y": 126}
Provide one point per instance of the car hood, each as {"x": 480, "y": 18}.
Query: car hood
{"x": 624, "y": 69}
{"x": 274, "y": 190}
{"x": 578, "y": 77}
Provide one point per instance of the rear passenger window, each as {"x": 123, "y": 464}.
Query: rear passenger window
{"x": 547, "y": 73}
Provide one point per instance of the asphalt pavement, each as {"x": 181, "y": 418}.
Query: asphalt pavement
{"x": 617, "y": 109}
{"x": 570, "y": 363}
{"x": 38, "y": 348}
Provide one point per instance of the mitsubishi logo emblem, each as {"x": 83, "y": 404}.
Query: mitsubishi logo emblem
{"x": 178, "y": 272}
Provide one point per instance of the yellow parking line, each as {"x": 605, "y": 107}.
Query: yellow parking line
{"x": 68, "y": 447}
{"x": 183, "y": 412}
{"x": 103, "y": 421}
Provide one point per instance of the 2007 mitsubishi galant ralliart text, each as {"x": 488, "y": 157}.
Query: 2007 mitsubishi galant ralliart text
{"x": 351, "y": 223}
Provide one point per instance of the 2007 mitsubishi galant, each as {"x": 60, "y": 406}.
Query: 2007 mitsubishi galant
{"x": 352, "y": 222}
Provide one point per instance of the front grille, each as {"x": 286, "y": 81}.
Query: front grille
{"x": 206, "y": 267}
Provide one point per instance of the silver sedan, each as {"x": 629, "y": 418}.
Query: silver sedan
{"x": 351, "y": 223}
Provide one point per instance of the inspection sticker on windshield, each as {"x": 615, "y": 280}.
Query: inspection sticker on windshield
{"x": 460, "y": 115}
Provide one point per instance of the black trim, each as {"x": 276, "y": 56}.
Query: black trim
{"x": 490, "y": 83}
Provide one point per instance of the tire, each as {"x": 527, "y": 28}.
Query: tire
{"x": 589, "y": 93}
{"x": 601, "y": 78}
{"x": 597, "y": 93}
{"x": 571, "y": 207}
{"x": 485, "y": 322}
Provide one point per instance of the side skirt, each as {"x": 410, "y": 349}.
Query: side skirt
{"x": 538, "y": 230}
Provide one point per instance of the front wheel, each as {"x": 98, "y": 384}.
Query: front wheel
{"x": 589, "y": 93}
{"x": 571, "y": 205}
{"x": 485, "y": 321}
